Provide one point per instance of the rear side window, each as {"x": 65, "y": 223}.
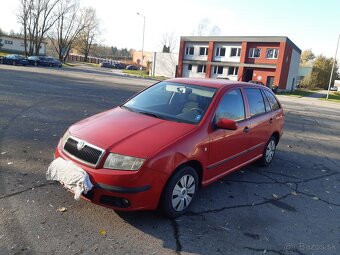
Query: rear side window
{"x": 231, "y": 106}
{"x": 272, "y": 100}
{"x": 255, "y": 100}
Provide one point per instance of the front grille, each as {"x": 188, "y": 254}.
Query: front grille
{"x": 88, "y": 153}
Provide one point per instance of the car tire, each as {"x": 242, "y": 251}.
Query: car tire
{"x": 179, "y": 192}
{"x": 14, "y": 63}
{"x": 1, "y": 61}
{"x": 35, "y": 63}
{"x": 51, "y": 65}
{"x": 269, "y": 152}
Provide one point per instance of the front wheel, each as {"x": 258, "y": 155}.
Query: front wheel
{"x": 179, "y": 192}
{"x": 269, "y": 152}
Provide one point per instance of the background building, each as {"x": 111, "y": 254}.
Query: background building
{"x": 164, "y": 64}
{"x": 137, "y": 57}
{"x": 16, "y": 45}
{"x": 272, "y": 60}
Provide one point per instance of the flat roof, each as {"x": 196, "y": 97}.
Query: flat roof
{"x": 241, "y": 39}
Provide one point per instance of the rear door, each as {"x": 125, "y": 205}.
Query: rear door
{"x": 260, "y": 122}
{"x": 227, "y": 147}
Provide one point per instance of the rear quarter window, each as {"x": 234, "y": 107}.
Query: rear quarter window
{"x": 274, "y": 104}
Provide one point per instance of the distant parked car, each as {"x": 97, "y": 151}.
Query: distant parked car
{"x": 256, "y": 82}
{"x": 334, "y": 88}
{"x": 53, "y": 62}
{"x": 119, "y": 66}
{"x": 38, "y": 61}
{"x": 14, "y": 59}
{"x": 132, "y": 67}
{"x": 106, "y": 65}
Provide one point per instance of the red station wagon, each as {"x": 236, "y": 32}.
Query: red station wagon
{"x": 166, "y": 142}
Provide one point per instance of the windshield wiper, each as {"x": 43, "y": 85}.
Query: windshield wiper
{"x": 151, "y": 114}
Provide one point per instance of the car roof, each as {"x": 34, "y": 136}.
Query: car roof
{"x": 213, "y": 83}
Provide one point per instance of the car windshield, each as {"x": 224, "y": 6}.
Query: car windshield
{"x": 173, "y": 101}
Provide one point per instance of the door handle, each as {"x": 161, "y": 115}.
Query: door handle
{"x": 271, "y": 120}
{"x": 246, "y": 130}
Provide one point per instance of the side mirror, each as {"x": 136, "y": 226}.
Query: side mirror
{"x": 226, "y": 124}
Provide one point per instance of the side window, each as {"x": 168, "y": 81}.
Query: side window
{"x": 231, "y": 106}
{"x": 272, "y": 101}
{"x": 255, "y": 100}
{"x": 266, "y": 102}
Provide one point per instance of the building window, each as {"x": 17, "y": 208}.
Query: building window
{"x": 218, "y": 69}
{"x": 254, "y": 53}
{"x": 220, "y": 52}
{"x": 235, "y": 52}
{"x": 232, "y": 70}
{"x": 201, "y": 68}
{"x": 203, "y": 51}
{"x": 189, "y": 67}
{"x": 272, "y": 53}
{"x": 8, "y": 42}
{"x": 189, "y": 51}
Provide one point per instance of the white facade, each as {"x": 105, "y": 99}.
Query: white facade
{"x": 13, "y": 44}
{"x": 164, "y": 64}
{"x": 228, "y": 57}
{"x": 193, "y": 72}
{"x": 225, "y": 73}
{"x": 293, "y": 71}
{"x": 196, "y": 51}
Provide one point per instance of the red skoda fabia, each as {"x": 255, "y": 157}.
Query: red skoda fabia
{"x": 165, "y": 143}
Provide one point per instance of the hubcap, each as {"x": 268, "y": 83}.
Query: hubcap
{"x": 270, "y": 151}
{"x": 183, "y": 193}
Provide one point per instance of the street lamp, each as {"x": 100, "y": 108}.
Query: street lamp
{"x": 143, "y": 36}
{"x": 330, "y": 79}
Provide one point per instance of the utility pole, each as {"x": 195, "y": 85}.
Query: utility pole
{"x": 330, "y": 79}
{"x": 143, "y": 37}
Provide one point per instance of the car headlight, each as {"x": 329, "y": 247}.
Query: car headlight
{"x": 64, "y": 139}
{"x": 121, "y": 162}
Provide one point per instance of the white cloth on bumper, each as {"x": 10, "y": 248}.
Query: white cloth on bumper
{"x": 70, "y": 175}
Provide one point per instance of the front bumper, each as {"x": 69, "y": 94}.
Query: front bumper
{"x": 122, "y": 190}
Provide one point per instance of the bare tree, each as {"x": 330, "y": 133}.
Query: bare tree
{"x": 204, "y": 28}
{"x": 215, "y": 30}
{"x": 168, "y": 42}
{"x": 37, "y": 17}
{"x": 67, "y": 28}
{"x": 89, "y": 33}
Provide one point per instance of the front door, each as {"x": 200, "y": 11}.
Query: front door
{"x": 227, "y": 147}
{"x": 248, "y": 75}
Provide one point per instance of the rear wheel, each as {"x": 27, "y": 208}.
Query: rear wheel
{"x": 36, "y": 63}
{"x": 179, "y": 192}
{"x": 14, "y": 63}
{"x": 269, "y": 152}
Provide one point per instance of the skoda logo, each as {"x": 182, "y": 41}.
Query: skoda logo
{"x": 80, "y": 145}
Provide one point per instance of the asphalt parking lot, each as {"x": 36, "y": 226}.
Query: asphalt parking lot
{"x": 290, "y": 207}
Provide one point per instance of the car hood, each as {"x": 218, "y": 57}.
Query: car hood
{"x": 129, "y": 133}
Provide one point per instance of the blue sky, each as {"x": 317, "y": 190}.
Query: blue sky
{"x": 311, "y": 24}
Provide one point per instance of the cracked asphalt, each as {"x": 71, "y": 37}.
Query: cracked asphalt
{"x": 290, "y": 207}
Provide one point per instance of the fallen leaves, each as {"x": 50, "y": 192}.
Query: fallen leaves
{"x": 275, "y": 196}
{"x": 103, "y": 232}
{"x": 61, "y": 209}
